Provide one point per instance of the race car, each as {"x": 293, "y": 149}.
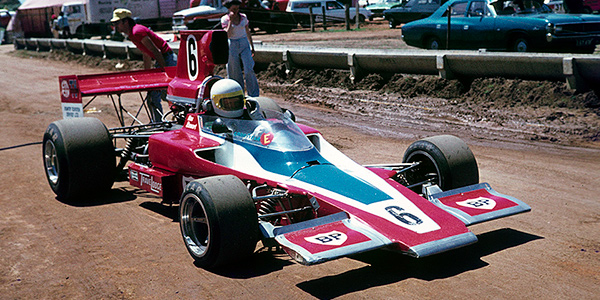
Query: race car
{"x": 265, "y": 177}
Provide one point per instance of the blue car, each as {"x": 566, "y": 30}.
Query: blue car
{"x": 524, "y": 26}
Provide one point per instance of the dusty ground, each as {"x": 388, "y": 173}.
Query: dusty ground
{"x": 128, "y": 245}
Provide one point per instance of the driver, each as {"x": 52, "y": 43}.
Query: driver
{"x": 227, "y": 98}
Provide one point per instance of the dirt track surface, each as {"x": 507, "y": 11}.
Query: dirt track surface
{"x": 128, "y": 245}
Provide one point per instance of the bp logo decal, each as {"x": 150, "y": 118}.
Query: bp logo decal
{"x": 479, "y": 203}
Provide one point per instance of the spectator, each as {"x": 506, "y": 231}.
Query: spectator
{"x": 241, "y": 48}
{"x": 152, "y": 46}
{"x": 63, "y": 26}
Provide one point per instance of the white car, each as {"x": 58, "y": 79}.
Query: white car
{"x": 333, "y": 9}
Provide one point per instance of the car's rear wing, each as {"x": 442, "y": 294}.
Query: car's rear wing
{"x": 74, "y": 87}
{"x": 199, "y": 52}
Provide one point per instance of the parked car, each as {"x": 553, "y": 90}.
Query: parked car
{"x": 334, "y": 10}
{"x": 494, "y": 25}
{"x": 412, "y": 10}
{"x": 590, "y": 6}
{"x": 377, "y": 9}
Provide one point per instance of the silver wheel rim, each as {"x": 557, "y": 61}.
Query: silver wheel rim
{"x": 434, "y": 45}
{"x": 51, "y": 162}
{"x": 195, "y": 227}
{"x": 521, "y": 46}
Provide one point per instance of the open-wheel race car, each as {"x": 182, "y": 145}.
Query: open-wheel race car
{"x": 264, "y": 177}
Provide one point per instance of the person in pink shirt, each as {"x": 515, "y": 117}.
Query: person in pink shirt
{"x": 153, "y": 48}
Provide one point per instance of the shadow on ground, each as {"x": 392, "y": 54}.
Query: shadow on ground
{"x": 387, "y": 267}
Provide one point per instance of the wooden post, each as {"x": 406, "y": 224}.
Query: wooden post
{"x": 324, "y": 18}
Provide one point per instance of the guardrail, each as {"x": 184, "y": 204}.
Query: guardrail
{"x": 580, "y": 71}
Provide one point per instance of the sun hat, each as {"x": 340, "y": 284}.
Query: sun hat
{"x": 120, "y": 14}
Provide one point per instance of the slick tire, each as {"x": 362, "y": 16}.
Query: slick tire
{"x": 444, "y": 159}
{"x": 218, "y": 221}
{"x": 79, "y": 158}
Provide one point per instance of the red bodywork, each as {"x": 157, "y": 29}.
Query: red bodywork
{"x": 342, "y": 225}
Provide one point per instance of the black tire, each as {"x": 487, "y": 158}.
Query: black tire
{"x": 445, "y": 159}
{"x": 520, "y": 44}
{"x": 433, "y": 43}
{"x": 79, "y": 158}
{"x": 391, "y": 23}
{"x": 218, "y": 221}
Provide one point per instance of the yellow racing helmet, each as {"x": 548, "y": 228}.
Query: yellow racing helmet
{"x": 227, "y": 98}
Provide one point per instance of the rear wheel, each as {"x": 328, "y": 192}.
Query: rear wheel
{"x": 218, "y": 220}
{"x": 79, "y": 158}
{"x": 444, "y": 160}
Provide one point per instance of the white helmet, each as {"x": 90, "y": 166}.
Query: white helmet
{"x": 227, "y": 98}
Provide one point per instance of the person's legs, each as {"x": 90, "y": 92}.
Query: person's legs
{"x": 234, "y": 66}
{"x": 248, "y": 62}
{"x": 154, "y": 105}
{"x": 154, "y": 97}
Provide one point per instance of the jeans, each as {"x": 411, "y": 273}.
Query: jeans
{"x": 240, "y": 55}
{"x": 154, "y": 97}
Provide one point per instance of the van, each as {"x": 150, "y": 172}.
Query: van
{"x": 334, "y": 10}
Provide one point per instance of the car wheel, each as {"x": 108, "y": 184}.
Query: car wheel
{"x": 218, "y": 221}
{"x": 79, "y": 158}
{"x": 392, "y": 23}
{"x": 433, "y": 43}
{"x": 444, "y": 160}
{"x": 520, "y": 44}
{"x": 361, "y": 19}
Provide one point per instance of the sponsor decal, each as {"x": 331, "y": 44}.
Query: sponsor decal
{"x": 479, "y": 203}
{"x": 147, "y": 179}
{"x": 266, "y": 138}
{"x": 333, "y": 238}
{"x": 65, "y": 90}
{"x": 72, "y": 110}
{"x": 133, "y": 175}
{"x": 191, "y": 122}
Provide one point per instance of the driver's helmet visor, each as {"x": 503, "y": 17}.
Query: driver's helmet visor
{"x": 230, "y": 101}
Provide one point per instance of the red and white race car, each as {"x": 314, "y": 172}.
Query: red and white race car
{"x": 238, "y": 181}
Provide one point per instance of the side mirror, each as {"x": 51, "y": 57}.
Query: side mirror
{"x": 219, "y": 127}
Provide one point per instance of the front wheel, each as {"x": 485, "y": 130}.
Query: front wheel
{"x": 391, "y": 23}
{"x": 433, "y": 43}
{"x": 79, "y": 158}
{"x": 520, "y": 44}
{"x": 444, "y": 160}
{"x": 218, "y": 220}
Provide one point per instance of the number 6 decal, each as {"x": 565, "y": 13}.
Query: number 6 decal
{"x": 192, "y": 57}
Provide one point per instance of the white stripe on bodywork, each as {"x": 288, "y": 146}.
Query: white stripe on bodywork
{"x": 238, "y": 158}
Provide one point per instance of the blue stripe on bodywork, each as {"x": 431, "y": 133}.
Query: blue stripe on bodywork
{"x": 332, "y": 178}
{"x": 322, "y": 174}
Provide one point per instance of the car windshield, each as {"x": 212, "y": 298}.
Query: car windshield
{"x": 277, "y": 132}
{"x": 520, "y": 7}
